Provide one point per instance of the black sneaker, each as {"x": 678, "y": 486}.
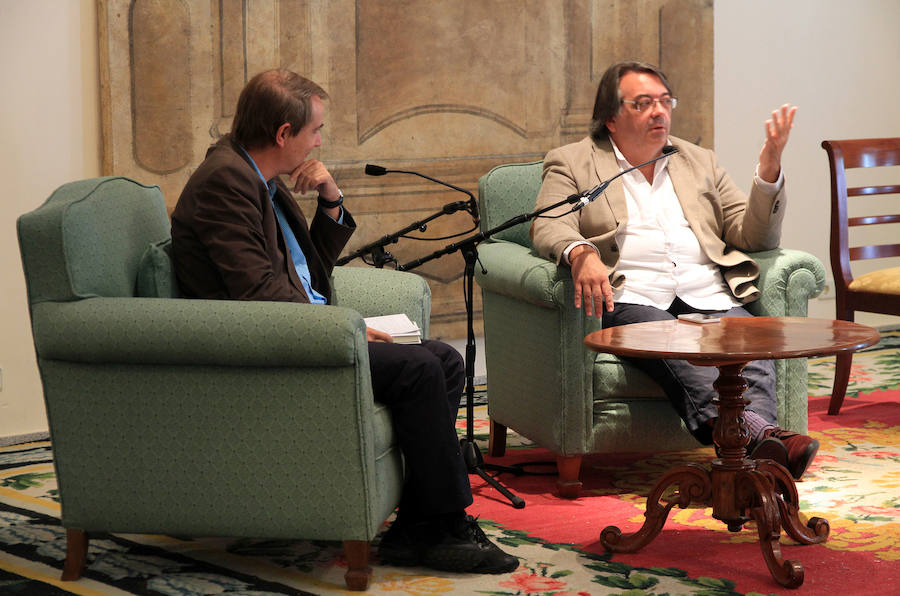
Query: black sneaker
{"x": 466, "y": 549}
{"x": 455, "y": 543}
{"x": 398, "y": 547}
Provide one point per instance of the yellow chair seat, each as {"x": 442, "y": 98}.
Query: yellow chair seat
{"x": 883, "y": 281}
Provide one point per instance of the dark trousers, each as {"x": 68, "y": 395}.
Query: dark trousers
{"x": 422, "y": 385}
{"x": 689, "y": 387}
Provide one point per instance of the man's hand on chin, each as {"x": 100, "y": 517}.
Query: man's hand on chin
{"x": 312, "y": 175}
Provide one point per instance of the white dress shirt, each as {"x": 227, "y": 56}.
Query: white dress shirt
{"x": 659, "y": 254}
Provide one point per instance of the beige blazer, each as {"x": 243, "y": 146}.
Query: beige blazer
{"x": 724, "y": 219}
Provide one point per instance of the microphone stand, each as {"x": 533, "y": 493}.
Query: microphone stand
{"x": 376, "y": 249}
{"x": 467, "y": 247}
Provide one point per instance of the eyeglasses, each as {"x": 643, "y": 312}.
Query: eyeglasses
{"x": 666, "y": 103}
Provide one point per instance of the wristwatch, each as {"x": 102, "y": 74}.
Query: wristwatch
{"x": 326, "y": 204}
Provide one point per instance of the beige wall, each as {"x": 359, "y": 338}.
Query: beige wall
{"x": 50, "y": 134}
{"x": 835, "y": 60}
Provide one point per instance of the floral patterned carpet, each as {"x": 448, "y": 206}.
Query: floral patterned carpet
{"x": 854, "y": 484}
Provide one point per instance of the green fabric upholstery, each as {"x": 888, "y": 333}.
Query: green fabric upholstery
{"x": 376, "y": 292}
{"x": 202, "y": 417}
{"x": 547, "y": 386}
{"x": 156, "y": 275}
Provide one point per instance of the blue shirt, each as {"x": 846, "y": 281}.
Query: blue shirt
{"x": 297, "y": 256}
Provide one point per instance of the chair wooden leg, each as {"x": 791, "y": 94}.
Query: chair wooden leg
{"x": 497, "y": 441}
{"x": 358, "y": 571}
{"x": 76, "y": 554}
{"x": 841, "y": 379}
{"x": 569, "y": 468}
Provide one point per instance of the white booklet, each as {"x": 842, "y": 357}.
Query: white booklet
{"x": 398, "y": 326}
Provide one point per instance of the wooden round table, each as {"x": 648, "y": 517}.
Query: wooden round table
{"x": 737, "y": 488}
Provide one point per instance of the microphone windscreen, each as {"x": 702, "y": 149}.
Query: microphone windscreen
{"x": 373, "y": 170}
{"x": 667, "y": 150}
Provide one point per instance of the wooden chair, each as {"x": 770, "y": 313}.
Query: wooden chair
{"x": 877, "y": 291}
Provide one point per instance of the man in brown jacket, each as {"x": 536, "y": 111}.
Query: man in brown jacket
{"x": 669, "y": 238}
{"x": 238, "y": 234}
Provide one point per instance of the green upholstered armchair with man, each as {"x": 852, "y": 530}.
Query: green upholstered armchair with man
{"x": 675, "y": 236}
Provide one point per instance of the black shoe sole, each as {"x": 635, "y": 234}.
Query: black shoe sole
{"x": 461, "y": 561}
{"x": 455, "y": 560}
{"x": 399, "y": 557}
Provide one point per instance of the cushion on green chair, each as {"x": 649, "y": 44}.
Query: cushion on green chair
{"x": 156, "y": 276}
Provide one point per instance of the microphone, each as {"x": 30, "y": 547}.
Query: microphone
{"x": 583, "y": 198}
{"x": 471, "y": 205}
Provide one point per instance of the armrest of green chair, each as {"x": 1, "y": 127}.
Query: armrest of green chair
{"x": 788, "y": 280}
{"x": 516, "y": 271}
{"x": 373, "y": 292}
{"x": 154, "y": 331}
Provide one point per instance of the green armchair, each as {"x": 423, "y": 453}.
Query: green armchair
{"x": 548, "y": 387}
{"x": 202, "y": 417}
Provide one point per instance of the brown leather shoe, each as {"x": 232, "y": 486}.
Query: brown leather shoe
{"x": 769, "y": 448}
{"x": 801, "y": 450}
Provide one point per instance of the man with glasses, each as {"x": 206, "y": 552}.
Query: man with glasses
{"x": 669, "y": 238}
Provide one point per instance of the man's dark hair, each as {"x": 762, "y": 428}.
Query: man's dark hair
{"x": 608, "y": 100}
{"x": 267, "y": 101}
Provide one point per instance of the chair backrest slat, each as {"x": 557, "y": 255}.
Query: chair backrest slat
{"x": 870, "y": 220}
{"x": 870, "y": 153}
{"x": 881, "y": 251}
{"x": 858, "y": 191}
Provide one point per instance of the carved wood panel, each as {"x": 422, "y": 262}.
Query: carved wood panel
{"x": 448, "y": 88}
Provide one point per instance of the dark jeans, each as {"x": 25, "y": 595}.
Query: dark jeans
{"x": 422, "y": 385}
{"x": 689, "y": 387}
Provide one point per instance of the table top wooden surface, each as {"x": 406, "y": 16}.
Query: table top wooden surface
{"x": 733, "y": 339}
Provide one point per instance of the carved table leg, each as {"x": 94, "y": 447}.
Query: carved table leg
{"x": 757, "y": 487}
{"x": 816, "y": 529}
{"x": 693, "y": 485}
{"x": 739, "y": 489}
{"x": 731, "y": 436}
{"x": 764, "y": 489}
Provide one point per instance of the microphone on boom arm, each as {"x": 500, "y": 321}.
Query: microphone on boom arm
{"x": 583, "y": 198}
{"x": 471, "y": 206}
